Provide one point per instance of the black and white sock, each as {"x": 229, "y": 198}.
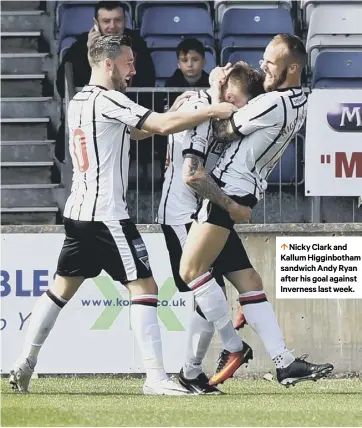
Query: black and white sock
{"x": 42, "y": 320}
{"x": 212, "y": 301}
{"x": 260, "y": 316}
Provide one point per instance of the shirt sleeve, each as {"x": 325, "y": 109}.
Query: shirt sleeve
{"x": 119, "y": 108}
{"x": 262, "y": 113}
{"x": 196, "y": 140}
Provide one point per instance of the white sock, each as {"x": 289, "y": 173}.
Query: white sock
{"x": 227, "y": 334}
{"x": 200, "y": 335}
{"x": 145, "y": 327}
{"x": 284, "y": 359}
{"x": 211, "y": 299}
{"x": 260, "y": 316}
{"x": 42, "y": 320}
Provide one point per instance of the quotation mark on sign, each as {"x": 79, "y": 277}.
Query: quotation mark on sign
{"x": 325, "y": 158}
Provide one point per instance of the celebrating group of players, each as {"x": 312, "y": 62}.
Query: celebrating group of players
{"x": 224, "y": 141}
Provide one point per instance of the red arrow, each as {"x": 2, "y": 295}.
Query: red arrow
{"x": 284, "y": 246}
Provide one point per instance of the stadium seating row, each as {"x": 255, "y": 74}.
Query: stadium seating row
{"x": 243, "y": 34}
{"x": 136, "y": 9}
{"x": 307, "y": 7}
{"x": 334, "y": 42}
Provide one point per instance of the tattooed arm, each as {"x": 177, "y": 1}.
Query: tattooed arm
{"x": 195, "y": 175}
{"x": 223, "y": 131}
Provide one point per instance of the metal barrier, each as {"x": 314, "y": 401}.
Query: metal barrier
{"x": 284, "y": 201}
{"x": 67, "y": 168}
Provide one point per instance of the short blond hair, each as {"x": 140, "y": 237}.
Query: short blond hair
{"x": 247, "y": 79}
{"x": 106, "y": 47}
{"x": 295, "y": 47}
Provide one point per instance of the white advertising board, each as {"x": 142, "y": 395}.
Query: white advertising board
{"x": 333, "y": 144}
{"x": 93, "y": 333}
{"x": 318, "y": 267}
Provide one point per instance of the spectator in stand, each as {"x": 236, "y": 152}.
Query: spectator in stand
{"x": 110, "y": 18}
{"x": 191, "y": 61}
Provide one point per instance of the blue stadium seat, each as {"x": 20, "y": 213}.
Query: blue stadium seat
{"x": 338, "y": 70}
{"x": 166, "y": 63}
{"x": 166, "y": 26}
{"x": 289, "y": 169}
{"x": 334, "y": 27}
{"x": 142, "y": 6}
{"x": 308, "y": 6}
{"x": 221, "y": 6}
{"x": 252, "y": 57}
{"x": 75, "y": 20}
{"x": 252, "y": 28}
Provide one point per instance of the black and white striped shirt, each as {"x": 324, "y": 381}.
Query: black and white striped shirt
{"x": 178, "y": 200}
{"x": 99, "y": 122}
{"x": 264, "y": 128}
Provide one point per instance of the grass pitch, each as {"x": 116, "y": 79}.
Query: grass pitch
{"x": 119, "y": 402}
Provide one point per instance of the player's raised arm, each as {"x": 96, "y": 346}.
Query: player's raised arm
{"x": 218, "y": 77}
{"x": 224, "y": 131}
{"x": 263, "y": 112}
{"x": 141, "y": 134}
{"x": 172, "y": 122}
{"x": 119, "y": 108}
{"x": 194, "y": 147}
{"x": 223, "y": 81}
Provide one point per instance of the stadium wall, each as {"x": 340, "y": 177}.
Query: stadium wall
{"x": 327, "y": 329}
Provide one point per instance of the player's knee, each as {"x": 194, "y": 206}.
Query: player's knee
{"x": 66, "y": 286}
{"x": 255, "y": 282}
{"x": 189, "y": 273}
{"x": 143, "y": 286}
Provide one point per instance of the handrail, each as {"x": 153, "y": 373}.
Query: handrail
{"x": 70, "y": 91}
{"x": 69, "y": 81}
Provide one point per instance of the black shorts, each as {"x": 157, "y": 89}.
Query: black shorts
{"x": 115, "y": 246}
{"x": 208, "y": 212}
{"x": 175, "y": 237}
{"x": 233, "y": 256}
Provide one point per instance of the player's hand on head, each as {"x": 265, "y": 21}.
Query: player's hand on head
{"x": 181, "y": 99}
{"x": 219, "y": 75}
{"x": 240, "y": 213}
{"x": 227, "y": 67}
{"x": 224, "y": 110}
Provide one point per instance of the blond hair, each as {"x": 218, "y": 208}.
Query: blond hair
{"x": 106, "y": 47}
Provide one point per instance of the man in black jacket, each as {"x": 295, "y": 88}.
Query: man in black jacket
{"x": 110, "y": 17}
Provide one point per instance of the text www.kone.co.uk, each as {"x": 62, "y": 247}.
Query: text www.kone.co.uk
{"x": 124, "y": 302}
